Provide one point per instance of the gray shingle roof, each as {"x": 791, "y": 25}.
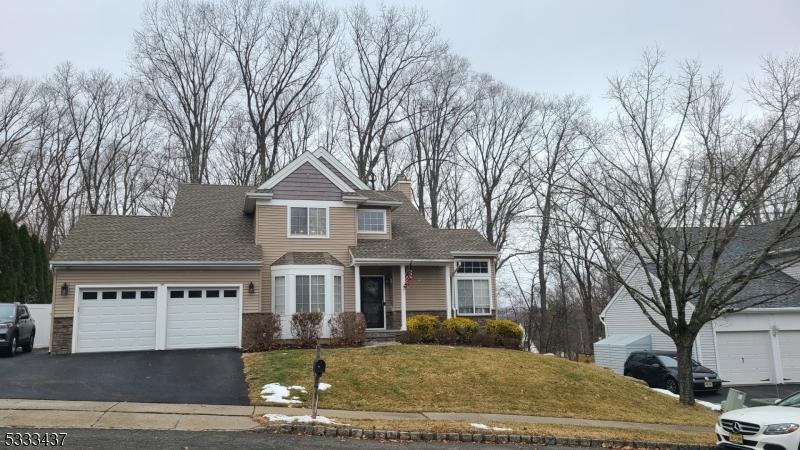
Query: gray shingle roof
{"x": 307, "y": 258}
{"x": 414, "y": 238}
{"x": 774, "y": 289}
{"x": 207, "y": 225}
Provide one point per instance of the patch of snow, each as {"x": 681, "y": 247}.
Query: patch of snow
{"x": 709, "y": 405}
{"x": 481, "y": 426}
{"x": 275, "y": 393}
{"x": 300, "y": 419}
{"x": 324, "y": 386}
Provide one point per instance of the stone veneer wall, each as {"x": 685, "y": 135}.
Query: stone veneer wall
{"x": 61, "y": 342}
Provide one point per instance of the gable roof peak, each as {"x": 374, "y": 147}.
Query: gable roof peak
{"x": 306, "y": 158}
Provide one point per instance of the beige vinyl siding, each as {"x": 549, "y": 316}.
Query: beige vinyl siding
{"x": 63, "y": 306}
{"x": 427, "y": 291}
{"x": 271, "y": 235}
{"x": 387, "y": 235}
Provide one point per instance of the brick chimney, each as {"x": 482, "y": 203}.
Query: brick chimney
{"x": 402, "y": 184}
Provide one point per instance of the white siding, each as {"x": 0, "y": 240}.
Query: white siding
{"x": 624, "y": 316}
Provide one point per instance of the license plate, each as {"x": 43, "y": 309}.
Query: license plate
{"x": 709, "y": 384}
{"x": 736, "y": 438}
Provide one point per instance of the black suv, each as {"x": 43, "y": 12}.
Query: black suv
{"x": 660, "y": 370}
{"x": 17, "y": 327}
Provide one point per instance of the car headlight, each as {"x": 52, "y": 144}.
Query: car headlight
{"x": 781, "y": 428}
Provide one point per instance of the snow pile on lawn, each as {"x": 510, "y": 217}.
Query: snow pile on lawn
{"x": 275, "y": 393}
{"x": 481, "y": 426}
{"x": 324, "y": 386}
{"x": 709, "y": 405}
{"x": 300, "y": 419}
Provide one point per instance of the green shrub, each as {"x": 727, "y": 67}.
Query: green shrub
{"x": 424, "y": 326}
{"x": 463, "y": 328}
{"x": 502, "y": 330}
{"x": 483, "y": 339}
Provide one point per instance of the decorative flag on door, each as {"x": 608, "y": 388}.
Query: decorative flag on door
{"x": 409, "y": 276}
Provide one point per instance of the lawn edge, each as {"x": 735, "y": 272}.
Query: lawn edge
{"x": 346, "y": 431}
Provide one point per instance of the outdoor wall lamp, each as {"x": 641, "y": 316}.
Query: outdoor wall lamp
{"x": 64, "y": 290}
{"x": 251, "y": 288}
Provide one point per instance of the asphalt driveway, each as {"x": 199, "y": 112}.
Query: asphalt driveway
{"x": 212, "y": 376}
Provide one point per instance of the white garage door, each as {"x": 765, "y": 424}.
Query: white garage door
{"x": 745, "y": 357}
{"x": 203, "y": 317}
{"x": 790, "y": 355}
{"x": 116, "y": 319}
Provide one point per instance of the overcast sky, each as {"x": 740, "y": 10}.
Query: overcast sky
{"x": 557, "y": 46}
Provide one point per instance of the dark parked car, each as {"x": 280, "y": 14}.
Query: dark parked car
{"x": 660, "y": 370}
{"x": 17, "y": 327}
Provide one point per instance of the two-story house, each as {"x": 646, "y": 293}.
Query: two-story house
{"x": 313, "y": 237}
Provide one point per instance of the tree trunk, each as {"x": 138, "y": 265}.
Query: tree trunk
{"x": 685, "y": 379}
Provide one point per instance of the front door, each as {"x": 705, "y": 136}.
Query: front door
{"x": 372, "y": 301}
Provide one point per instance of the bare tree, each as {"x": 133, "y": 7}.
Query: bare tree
{"x": 436, "y": 111}
{"x": 280, "y": 50}
{"x": 561, "y": 124}
{"x": 383, "y": 57}
{"x": 498, "y": 143}
{"x": 184, "y": 72}
{"x": 677, "y": 184}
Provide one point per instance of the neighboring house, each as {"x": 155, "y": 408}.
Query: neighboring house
{"x": 760, "y": 345}
{"x": 311, "y": 238}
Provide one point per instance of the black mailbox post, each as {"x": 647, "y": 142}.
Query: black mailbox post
{"x": 319, "y": 369}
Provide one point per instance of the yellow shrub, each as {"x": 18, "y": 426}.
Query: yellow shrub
{"x": 505, "y": 332}
{"x": 463, "y": 328}
{"x": 424, "y": 326}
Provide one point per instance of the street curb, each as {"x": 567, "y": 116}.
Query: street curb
{"x": 493, "y": 438}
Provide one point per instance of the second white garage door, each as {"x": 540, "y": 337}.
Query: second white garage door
{"x": 790, "y": 355}
{"x": 745, "y": 357}
{"x": 202, "y": 317}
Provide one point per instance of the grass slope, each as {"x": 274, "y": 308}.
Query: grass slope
{"x": 468, "y": 379}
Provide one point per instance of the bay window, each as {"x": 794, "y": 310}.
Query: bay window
{"x": 473, "y": 288}
{"x": 302, "y": 289}
{"x": 279, "y": 295}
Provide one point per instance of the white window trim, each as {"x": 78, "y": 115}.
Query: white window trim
{"x": 472, "y": 276}
{"x": 358, "y": 222}
{"x": 292, "y": 271}
{"x": 306, "y": 236}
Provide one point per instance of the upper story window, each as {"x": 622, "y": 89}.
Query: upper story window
{"x": 473, "y": 267}
{"x": 372, "y": 221}
{"x": 308, "y": 222}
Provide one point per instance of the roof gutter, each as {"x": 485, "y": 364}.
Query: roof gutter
{"x": 375, "y": 261}
{"x": 134, "y": 264}
{"x": 250, "y": 200}
{"x": 475, "y": 253}
{"x": 361, "y": 200}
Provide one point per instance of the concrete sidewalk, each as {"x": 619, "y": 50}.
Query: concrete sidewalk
{"x": 165, "y": 416}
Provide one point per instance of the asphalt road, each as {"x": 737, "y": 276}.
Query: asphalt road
{"x": 213, "y": 376}
{"x": 138, "y": 439}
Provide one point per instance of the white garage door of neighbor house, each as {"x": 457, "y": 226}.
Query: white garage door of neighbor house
{"x": 790, "y": 355}
{"x": 116, "y": 319}
{"x": 200, "y": 317}
{"x": 745, "y": 357}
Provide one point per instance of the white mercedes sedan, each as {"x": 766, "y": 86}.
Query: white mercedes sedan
{"x": 763, "y": 428}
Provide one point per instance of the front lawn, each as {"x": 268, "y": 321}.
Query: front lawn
{"x": 467, "y": 379}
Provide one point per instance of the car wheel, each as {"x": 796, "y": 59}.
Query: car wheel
{"x": 12, "y": 350}
{"x": 671, "y": 384}
{"x": 28, "y": 347}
